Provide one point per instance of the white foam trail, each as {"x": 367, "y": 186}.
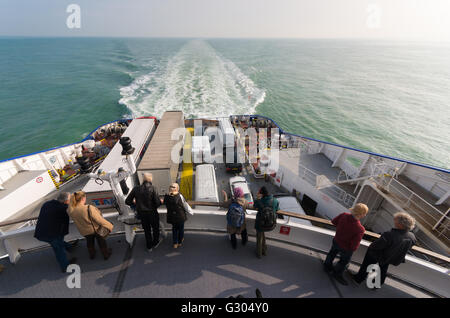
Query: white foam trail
{"x": 196, "y": 80}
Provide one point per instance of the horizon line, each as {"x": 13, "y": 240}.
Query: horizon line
{"x": 232, "y": 38}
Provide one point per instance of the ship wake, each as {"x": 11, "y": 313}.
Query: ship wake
{"x": 196, "y": 80}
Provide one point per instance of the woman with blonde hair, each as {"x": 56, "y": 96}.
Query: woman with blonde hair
{"x": 90, "y": 223}
{"x": 177, "y": 209}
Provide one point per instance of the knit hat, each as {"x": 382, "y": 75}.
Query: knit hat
{"x": 238, "y": 193}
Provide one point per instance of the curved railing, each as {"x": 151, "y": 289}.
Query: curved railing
{"x": 368, "y": 234}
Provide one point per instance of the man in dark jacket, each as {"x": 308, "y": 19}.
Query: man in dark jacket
{"x": 53, "y": 225}
{"x": 390, "y": 248}
{"x": 147, "y": 202}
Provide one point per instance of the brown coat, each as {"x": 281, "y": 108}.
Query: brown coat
{"x": 80, "y": 217}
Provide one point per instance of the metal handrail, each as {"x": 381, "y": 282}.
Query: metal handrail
{"x": 416, "y": 200}
{"x": 415, "y": 248}
{"x": 339, "y": 194}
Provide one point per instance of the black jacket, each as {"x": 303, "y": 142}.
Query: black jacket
{"x": 53, "y": 221}
{"x": 392, "y": 246}
{"x": 147, "y": 198}
{"x": 175, "y": 209}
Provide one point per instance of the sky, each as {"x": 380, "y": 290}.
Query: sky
{"x": 427, "y": 20}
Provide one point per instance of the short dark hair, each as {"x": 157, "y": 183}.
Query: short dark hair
{"x": 264, "y": 191}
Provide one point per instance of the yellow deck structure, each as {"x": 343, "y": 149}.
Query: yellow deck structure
{"x": 187, "y": 174}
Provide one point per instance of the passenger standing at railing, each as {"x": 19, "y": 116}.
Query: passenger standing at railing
{"x": 53, "y": 225}
{"x": 239, "y": 206}
{"x": 88, "y": 220}
{"x": 147, "y": 202}
{"x": 266, "y": 218}
{"x": 349, "y": 233}
{"x": 390, "y": 248}
{"x": 177, "y": 209}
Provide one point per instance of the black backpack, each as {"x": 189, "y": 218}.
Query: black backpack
{"x": 268, "y": 218}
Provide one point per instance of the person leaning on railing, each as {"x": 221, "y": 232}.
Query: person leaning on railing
{"x": 240, "y": 205}
{"x": 52, "y": 225}
{"x": 265, "y": 202}
{"x": 390, "y": 248}
{"x": 349, "y": 233}
{"x": 88, "y": 220}
{"x": 147, "y": 201}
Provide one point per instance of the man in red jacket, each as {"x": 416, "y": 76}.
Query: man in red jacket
{"x": 349, "y": 233}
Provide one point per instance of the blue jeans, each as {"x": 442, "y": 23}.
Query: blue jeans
{"x": 59, "y": 247}
{"x": 345, "y": 257}
{"x": 177, "y": 233}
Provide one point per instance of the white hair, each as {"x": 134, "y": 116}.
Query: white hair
{"x": 63, "y": 197}
{"x": 405, "y": 220}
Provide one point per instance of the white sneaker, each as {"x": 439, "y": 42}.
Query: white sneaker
{"x": 149, "y": 250}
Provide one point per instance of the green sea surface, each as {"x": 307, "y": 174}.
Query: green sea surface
{"x": 391, "y": 98}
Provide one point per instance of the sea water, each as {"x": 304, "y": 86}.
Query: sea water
{"x": 391, "y": 98}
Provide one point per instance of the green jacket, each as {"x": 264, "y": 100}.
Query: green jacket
{"x": 260, "y": 203}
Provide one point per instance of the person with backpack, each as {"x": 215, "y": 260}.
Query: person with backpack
{"x": 390, "y": 248}
{"x": 147, "y": 202}
{"x": 177, "y": 209}
{"x": 266, "y": 218}
{"x": 237, "y": 207}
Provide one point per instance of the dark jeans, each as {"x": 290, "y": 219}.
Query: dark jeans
{"x": 177, "y": 232}
{"x": 344, "y": 255}
{"x": 59, "y": 247}
{"x": 368, "y": 260}
{"x": 244, "y": 237}
{"x": 150, "y": 224}
{"x": 90, "y": 241}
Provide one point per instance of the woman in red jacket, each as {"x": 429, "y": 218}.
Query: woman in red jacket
{"x": 349, "y": 233}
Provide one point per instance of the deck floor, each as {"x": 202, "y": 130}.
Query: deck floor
{"x": 206, "y": 267}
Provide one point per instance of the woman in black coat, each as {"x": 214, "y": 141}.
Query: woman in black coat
{"x": 177, "y": 209}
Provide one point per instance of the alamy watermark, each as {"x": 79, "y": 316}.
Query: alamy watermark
{"x": 74, "y": 19}
{"x": 373, "y": 278}
{"x": 212, "y": 145}
{"x": 74, "y": 279}
{"x": 374, "y": 14}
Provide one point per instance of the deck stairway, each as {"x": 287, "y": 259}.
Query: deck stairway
{"x": 430, "y": 219}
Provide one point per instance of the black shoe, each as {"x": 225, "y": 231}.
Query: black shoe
{"x": 244, "y": 240}
{"x": 354, "y": 279}
{"x": 73, "y": 260}
{"x": 340, "y": 279}
{"x": 328, "y": 269}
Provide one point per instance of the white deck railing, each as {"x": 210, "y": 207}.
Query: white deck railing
{"x": 424, "y": 211}
{"x": 336, "y": 193}
{"x": 420, "y": 273}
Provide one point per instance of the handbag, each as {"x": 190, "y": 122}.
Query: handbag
{"x": 186, "y": 206}
{"x": 101, "y": 231}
